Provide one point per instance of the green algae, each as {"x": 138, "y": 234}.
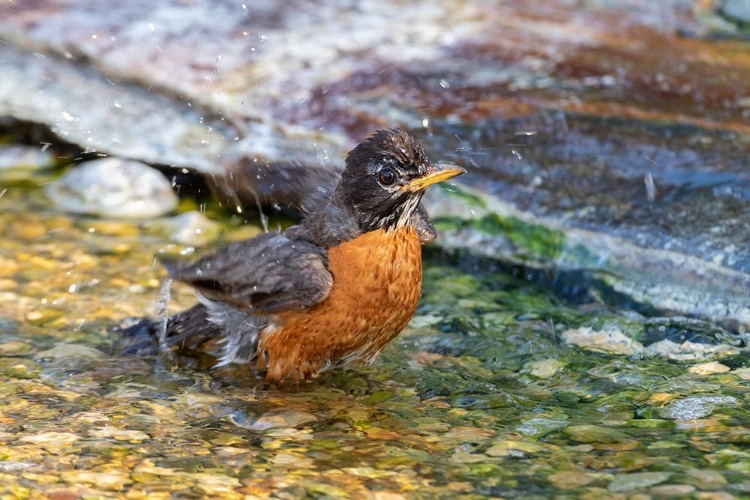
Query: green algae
{"x": 534, "y": 242}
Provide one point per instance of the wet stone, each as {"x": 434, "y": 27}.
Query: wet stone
{"x": 708, "y": 368}
{"x": 695, "y": 407}
{"x": 105, "y": 480}
{"x": 189, "y": 228}
{"x": 14, "y": 348}
{"x": 610, "y": 341}
{"x": 279, "y": 420}
{"x": 637, "y": 481}
{"x": 217, "y": 484}
{"x": 514, "y": 449}
{"x": 595, "y": 434}
{"x": 52, "y": 440}
{"x": 543, "y": 369}
{"x": 131, "y": 436}
{"x": 689, "y": 351}
{"x": 672, "y": 490}
{"x": 113, "y": 187}
{"x": 569, "y": 480}
{"x": 539, "y": 427}
{"x": 706, "y": 479}
{"x": 64, "y": 350}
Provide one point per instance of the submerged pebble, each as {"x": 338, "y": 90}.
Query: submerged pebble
{"x": 539, "y": 427}
{"x": 595, "y": 434}
{"x": 708, "y": 368}
{"x": 610, "y": 340}
{"x": 113, "y": 187}
{"x": 111, "y": 480}
{"x": 689, "y": 351}
{"x": 637, "y": 480}
{"x": 569, "y": 480}
{"x": 543, "y": 369}
{"x": 189, "y": 228}
{"x": 278, "y": 420}
{"x": 63, "y": 350}
{"x": 695, "y": 407}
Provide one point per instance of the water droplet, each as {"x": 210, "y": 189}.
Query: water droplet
{"x": 650, "y": 187}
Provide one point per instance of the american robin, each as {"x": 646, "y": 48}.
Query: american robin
{"x": 332, "y": 291}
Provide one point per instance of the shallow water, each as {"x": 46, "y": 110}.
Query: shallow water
{"x": 479, "y": 397}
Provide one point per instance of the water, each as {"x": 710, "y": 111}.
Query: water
{"x": 479, "y": 397}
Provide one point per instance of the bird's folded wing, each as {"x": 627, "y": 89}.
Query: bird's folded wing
{"x": 268, "y": 274}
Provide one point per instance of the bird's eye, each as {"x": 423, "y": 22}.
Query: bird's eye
{"x": 387, "y": 176}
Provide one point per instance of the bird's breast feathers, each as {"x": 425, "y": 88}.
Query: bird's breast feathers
{"x": 377, "y": 282}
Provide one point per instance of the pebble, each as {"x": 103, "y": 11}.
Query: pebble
{"x": 595, "y": 434}
{"x": 569, "y": 480}
{"x": 514, "y": 448}
{"x": 672, "y": 490}
{"x": 52, "y": 439}
{"x": 64, "y": 350}
{"x": 695, "y": 407}
{"x": 610, "y": 340}
{"x": 280, "y": 420}
{"x": 715, "y": 495}
{"x": 189, "y": 228}
{"x": 113, "y": 187}
{"x": 706, "y": 479}
{"x": 637, "y": 480}
{"x": 216, "y": 485}
{"x": 689, "y": 351}
{"x": 131, "y": 436}
{"x": 708, "y": 368}
{"x": 543, "y": 369}
{"x": 113, "y": 480}
{"x": 14, "y": 347}
{"x": 539, "y": 427}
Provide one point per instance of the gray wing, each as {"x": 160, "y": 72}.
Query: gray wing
{"x": 264, "y": 275}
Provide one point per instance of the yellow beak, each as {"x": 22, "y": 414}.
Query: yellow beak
{"x": 435, "y": 174}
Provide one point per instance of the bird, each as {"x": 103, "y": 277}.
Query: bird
{"x": 330, "y": 292}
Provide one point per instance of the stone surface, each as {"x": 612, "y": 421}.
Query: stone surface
{"x": 637, "y": 480}
{"x": 695, "y": 407}
{"x": 611, "y": 340}
{"x": 113, "y": 187}
{"x": 708, "y": 368}
{"x": 188, "y": 228}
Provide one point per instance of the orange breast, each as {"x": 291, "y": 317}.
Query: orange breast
{"x": 377, "y": 282}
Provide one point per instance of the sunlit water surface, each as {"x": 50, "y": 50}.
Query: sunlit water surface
{"x": 478, "y": 397}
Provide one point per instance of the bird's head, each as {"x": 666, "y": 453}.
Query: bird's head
{"x": 385, "y": 178}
